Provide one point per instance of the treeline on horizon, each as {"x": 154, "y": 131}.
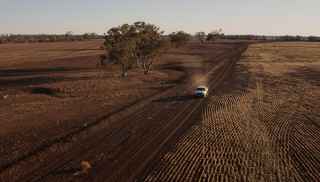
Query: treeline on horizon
{"x": 25, "y": 38}
{"x": 273, "y": 38}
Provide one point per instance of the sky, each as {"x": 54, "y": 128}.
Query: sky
{"x": 263, "y": 17}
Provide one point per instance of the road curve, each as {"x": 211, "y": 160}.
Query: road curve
{"x": 122, "y": 152}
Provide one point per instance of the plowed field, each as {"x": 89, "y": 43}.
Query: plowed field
{"x": 93, "y": 116}
{"x": 263, "y": 124}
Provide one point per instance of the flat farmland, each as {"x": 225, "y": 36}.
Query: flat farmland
{"x": 262, "y": 124}
{"x": 31, "y": 54}
{"x": 57, "y": 108}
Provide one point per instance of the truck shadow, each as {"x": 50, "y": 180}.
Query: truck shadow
{"x": 179, "y": 98}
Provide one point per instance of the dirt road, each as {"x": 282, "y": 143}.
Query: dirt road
{"x": 120, "y": 148}
{"x": 262, "y": 125}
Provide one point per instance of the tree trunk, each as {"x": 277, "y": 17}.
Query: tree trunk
{"x": 138, "y": 62}
{"x": 144, "y": 66}
{"x": 124, "y": 70}
{"x": 147, "y": 68}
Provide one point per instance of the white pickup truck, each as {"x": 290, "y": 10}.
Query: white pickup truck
{"x": 201, "y": 91}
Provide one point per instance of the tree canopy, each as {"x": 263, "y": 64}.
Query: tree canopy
{"x": 137, "y": 44}
{"x": 213, "y": 35}
{"x": 201, "y": 36}
{"x": 179, "y": 38}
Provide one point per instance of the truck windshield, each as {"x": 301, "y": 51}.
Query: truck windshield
{"x": 201, "y": 89}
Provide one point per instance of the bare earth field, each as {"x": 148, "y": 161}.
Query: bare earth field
{"x": 261, "y": 121}
{"x": 263, "y": 124}
{"x": 49, "y": 89}
{"x": 45, "y": 82}
{"x": 58, "y": 109}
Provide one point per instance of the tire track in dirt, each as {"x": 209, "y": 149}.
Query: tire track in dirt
{"x": 284, "y": 133}
{"x": 240, "y": 138}
{"x": 301, "y": 145}
{"x": 114, "y": 137}
{"x": 53, "y": 167}
{"x": 217, "y": 79}
{"x": 59, "y": 140}
{"x": 194, "y": 164}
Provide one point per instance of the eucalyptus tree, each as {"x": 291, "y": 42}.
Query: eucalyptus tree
{"x": 201, "y": 36}
{"x": 137, "y": 44}
{"x": 179, "y": 38}
{"x": 148, "y": 45}
{"x": 120, "y": 43}
{"x": 215, "y": 34}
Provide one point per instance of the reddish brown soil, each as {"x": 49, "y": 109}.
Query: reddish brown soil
{"x": 62, "y": 90}
{"x": 262, "y": 125}
{"x": 59, "y": 109}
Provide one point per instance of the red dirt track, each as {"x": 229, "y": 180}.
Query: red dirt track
{"x": 120, "y": 146}
{"x": 262, "y": 124}
{"x": 259, "y": 123}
